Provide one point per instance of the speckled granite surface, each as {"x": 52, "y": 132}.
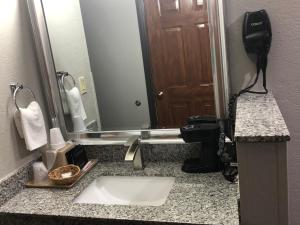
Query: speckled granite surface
{"x": 113, "y": 153}
{"x": 258, "y": 119}
{"x": 194, "y": 199}
{"x": 151, "y": 153}
{"x": 14, "y": 183}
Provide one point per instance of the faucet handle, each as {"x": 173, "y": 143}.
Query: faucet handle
{"x": 134, "y": 152}
{"x": 132, "y": 143}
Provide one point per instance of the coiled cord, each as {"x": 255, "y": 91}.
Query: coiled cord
{"x": 229, "y": 155}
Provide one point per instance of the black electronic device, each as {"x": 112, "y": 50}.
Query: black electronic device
{"x": 200, "y": 132}
{"x": 204, "y": 130}
{"x": 77, "y": 156}
{"x": 257, "y": 38}
{"x": 194, "y": 120}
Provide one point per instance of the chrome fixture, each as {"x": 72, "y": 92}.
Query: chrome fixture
{"x": 16, "y": 88}
{"x": 134, "y": 152}
{"x": 62, "y": 75}
{"x": 145, "y": 134}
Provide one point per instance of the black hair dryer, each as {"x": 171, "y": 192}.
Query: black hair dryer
{"x": 257, "y": 38}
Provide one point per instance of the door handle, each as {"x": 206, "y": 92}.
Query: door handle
{"x": 160, "y": 94}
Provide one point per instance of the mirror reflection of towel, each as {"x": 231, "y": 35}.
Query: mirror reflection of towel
{"x": 33, "y": 126}
{"x": 75, "y": 103}
{"x": 63, "y": 97}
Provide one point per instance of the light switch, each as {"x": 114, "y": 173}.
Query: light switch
{"x": 82, "y": 85}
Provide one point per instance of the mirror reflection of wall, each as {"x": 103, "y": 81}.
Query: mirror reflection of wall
{"x": 117, "y": 65}
{"x": 70, "y": 53}
{"x": 113, "y": 39}
{"x": 128, "y": 87}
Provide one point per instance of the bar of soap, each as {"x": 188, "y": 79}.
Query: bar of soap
{"x": 66, "y": 175}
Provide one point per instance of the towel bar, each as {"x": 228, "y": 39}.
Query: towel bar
{"x": 62, "y": 75}
{"x": 16, "y": 88}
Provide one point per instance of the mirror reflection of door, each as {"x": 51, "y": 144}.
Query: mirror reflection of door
{"x": 138, "y": 64}
{"x": 179, "y": 42}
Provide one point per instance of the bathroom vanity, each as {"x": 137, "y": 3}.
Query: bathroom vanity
{"x": 189, "y": 72}
{"x": 262, "y": 135}
{"x": 194, "y": 198}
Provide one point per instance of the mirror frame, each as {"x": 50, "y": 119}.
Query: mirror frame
{"x": 51, "y": 89}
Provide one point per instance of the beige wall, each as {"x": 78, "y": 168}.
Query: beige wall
{"x": 283, "y": 72}
{"x": 17, "y": 64}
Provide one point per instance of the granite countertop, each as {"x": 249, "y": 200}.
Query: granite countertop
{"x": 258, "y": 119}
{"x": 194, "y": 198}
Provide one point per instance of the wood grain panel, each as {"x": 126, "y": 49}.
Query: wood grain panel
{"x": 180, "y": 59}
{"x": 197, "y": 6}
{"x": 168, "y": 6}
{"x": 174, "y": 56}
{"x": 203, "y": 40}
{"x": 179, "y": 113}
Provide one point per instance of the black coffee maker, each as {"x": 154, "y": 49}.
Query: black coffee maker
{"x": 204, "y": 130}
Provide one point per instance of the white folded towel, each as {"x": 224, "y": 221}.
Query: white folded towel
{"x": 75, "y": 103}
{"x": 17, "y": 119}
{"x": 33, "y": 126}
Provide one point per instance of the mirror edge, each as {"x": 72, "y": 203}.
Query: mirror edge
{"x": 51, "y": 90}
{"x": 219, "y": 56}
{"x": 46, "y": 63}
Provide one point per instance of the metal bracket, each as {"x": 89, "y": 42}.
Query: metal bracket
{"x": 13, "y": 87}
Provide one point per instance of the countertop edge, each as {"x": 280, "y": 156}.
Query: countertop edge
{"x": 259, "y": 120}
{"x": 262, "y": 139}
{"x": 37, "y": 219}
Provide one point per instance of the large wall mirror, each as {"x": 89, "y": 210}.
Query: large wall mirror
{"x": 132, "y": 64}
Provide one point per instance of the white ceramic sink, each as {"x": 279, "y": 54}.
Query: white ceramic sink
{"x": 120, "y": 190}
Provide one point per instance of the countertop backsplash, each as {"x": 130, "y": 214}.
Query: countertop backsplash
{"x": 150, "y": 153}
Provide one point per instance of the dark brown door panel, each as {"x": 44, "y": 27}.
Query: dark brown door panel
{"x": 178, "y": 34}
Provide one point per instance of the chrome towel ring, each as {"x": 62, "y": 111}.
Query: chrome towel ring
{"x": 62, "y": 75}
{"x": 17, "y": 88}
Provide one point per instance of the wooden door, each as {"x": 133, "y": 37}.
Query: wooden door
{"x": 180, "y": 55}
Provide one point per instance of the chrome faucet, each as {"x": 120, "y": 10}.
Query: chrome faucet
{"x": 134, "y": 153}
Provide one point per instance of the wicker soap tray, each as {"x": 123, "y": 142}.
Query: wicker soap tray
{"x": 56, "y": 181}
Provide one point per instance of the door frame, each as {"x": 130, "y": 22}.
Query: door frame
{"x": 140, "y": 8}
{"x": 51, "y": 90}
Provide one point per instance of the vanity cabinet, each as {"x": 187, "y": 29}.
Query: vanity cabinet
{"x": 262, "y": 135}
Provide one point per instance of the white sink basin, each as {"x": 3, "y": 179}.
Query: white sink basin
{"x": 119, "y": 190}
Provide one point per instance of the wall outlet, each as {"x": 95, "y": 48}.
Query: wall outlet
{"x": 82, "y": 85}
